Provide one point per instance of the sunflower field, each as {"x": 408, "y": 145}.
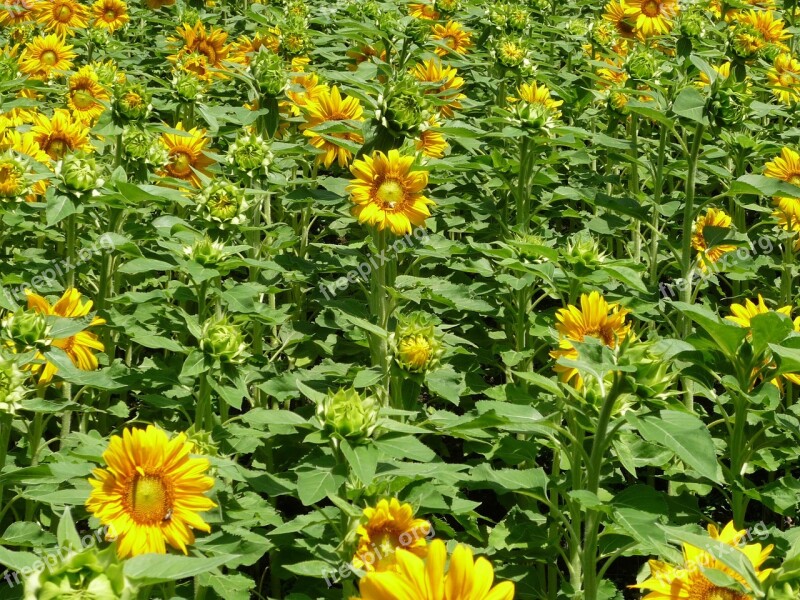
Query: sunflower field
{"x": 399, "y": 300}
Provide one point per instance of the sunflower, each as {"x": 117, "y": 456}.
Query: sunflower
{"x": 743, "y": 315}
{"x": 784, "y": 78}
{"x": 453, "y": 36}
{"x": 387, "y": 193}
{"x": 155, "y": 4}
{"x": 768, "y": 27}
{"x": 245, "y": 47}
{"x": 712, "y": 218}
{"x": 110, "y": 14}
{"x": 688, "y": 582}
{"x": 186, "y": 154}
{"x": 14, "y": 180}
{"x": 536, "y": 94}
{"x": 151, "y": 493}
{"x": 45, "y": 55}
{"x": 389, "y": 526}
{"x": 723, "y": 71}
{"x": 423, "y": 10}
{"x": 431, "y": 141}
{"x": 26, "y": 145}
{"x": 621, "y": 16}
{"x": 85, "y": 96}
{"x": 786, "y": 167}
{"x": 418, "y": 579}
{"x": 61, "y": 16}
{"x": 61, "y": 134}
{"x": 653, "y": 17}
{"x": 304, "y": 88}
{"x": 612, "y": 83}
{"x": 595, "y": 318}
{"x": 328, "y": 107}
{"x": 78, "y": 346}
{"x": 363, "y": 53}
{"x": 447, "y": 92}
{"x": 208, "y": 44}
{"x": 15, "y": 12}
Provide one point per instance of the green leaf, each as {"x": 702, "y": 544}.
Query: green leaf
{"x": 727, "y": 335}
{"x": 259, "y": 417}
{"x": 195, "y": 364}
{"x": 315, "y": 484}
{"x": 66, "y": 533}
{"x": 158, "y": 568}
{"x": 690, "y": 105}
{"x": 363, "y": 460}
{"x": 446, "y": 383}
{"x": 58, "y": 209}
{"x": 769, "y": 328}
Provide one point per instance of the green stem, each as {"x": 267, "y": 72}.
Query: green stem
{"x": 633, "y": 185}
{"x": 203, "y": 418}
{"x": 6, "y": 421}
{"x": 658, "y": 184}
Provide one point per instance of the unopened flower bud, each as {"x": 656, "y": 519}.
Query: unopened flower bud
{"x": 347, "y": 414}
{"x": 80, "y": 173}
{"x": 12, "y": 386}
{"x": 250, "y": 153}
{"x": 267, "y": 70}
{"x": 25, "y": 327}
{"x": 223, "y": 340}
{"x": 416, "y": 345}
{"x": 223, "y": 202}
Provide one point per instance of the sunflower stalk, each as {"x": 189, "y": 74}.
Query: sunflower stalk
{"x": 527, "y": 161}
{"x": 6, "y": 422}
{"x": 382, "y": 277}
{"x": 634, "y": 184}
{"x": 658, "y": 184}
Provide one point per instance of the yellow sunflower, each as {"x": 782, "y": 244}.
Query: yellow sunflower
{"x": 534, "y": 93}
{"x": 304, "y": 88}
{"x": 387, "y": 193}
{"x": 363, "y": 53}
{"x": 86, "y": 96}
{"x": 46, "y": 55}
{"x": 784, "y": 78}
{"x": 26, "y": 144}
{"x": 418, "y": 579}
{"x": 687, "y": 581}
{"x": 595, "y": 318}
{"x": 211, "y": 45}
{"x": 61, "y": 16}
{"x": 621, "y": 16}
{"x": 786, "y": 167}
{"x": 14, "y": 181}
{"x": 453, "y": 36}
{"x": 15, "y": 12}
{"x": 743, "y": 314}
{"x": 653, "y": 17}
{"x": 151, "y": 493}
{"x": 712, "y": 218}
{"x": 61, "y": 134}
{"x": 246, "y": 47}
{"x": 110, "y": 14}
{"x": 431, "y": 141}
{"x": 448, "y": 95}
{"x": 79, "y": 346}
{"x": 186, "y": 154}
{"x": 389, "y": 526}
{"x": 723, "y": 71}
{"x": 764, "y": 22}
{"x": 612, "y": 83}
{"x": 328, "y": 107}
{"x": 423, "y": 10}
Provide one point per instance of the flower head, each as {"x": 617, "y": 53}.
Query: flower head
{"x": 60, "y": 134}
{"x": 452, "y": 35}
{"x": 389, "y": 526}
{"x": 708, "y": 249}
{"x": 86, "y": 96}
{"x": 327, "y": 108}
{"x": 186, "y": 154}
{"x": 348, "y": 414}
{"x": 46, "y": 55}
{"x": 653, "y": 17}
{"x": 151, "y": 492}
{"x": 61, "y": 16}
{"x": 110, "y": 14}
{"x": 445, "y": 85}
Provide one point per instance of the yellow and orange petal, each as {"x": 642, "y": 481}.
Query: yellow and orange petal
{"x": 453, "y": 36}
{"x": 186, "y": 154}
{"x": 60, "y": 134}
{"x": 327, "y": 107}
{"x": 61, "y": 16}
{"x": 110, "y": 15}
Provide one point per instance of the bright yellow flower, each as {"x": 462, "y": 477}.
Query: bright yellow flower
{"x": 423, "y": 10}
{"x": 595, "y": 318}
{"x": 653, "y": 17}
{"x": 765, "y": 23}
{"x": 16, "y": 12}
{"x": 418, "y": 579}
{"x": 786, "y": 167}
{"x": 449, "y": 83}
{"x": 612, "y": 82}
{"x": 304, "y": 89}
{"x": 86, "y": 95}
{"x": 186, "y": 153}
{"x": 712, "y": 218}
{"x": 431, "y": 141}
{"x": 387, "y": 193}
{"x": 151, "y": 493}
{"x": 61, "y": 134}
{"x": 534, "y": 93}
{"x": 453, "y": 36}
{"x": 784, "y": 78}
{"x": 159, "y": 3}
{"x": 61, "y": 16}
{"x": 78, "y": 347}
{"x": 246, "y": 47}
{"x": 723, "y": 71}
{"x": 389, "y": 526}
{"x": 687, "y": 582}
{"x": 26, "y": 144}
{"x": 619, "y": 14}
{"x": 328, "y": 107}
{"x": 210, "y": 45}
{"x": 110, "y": 14}
{"x": 45, "y": 55}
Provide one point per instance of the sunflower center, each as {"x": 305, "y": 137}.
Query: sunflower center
{"x": 651, "y": 8}
{"x": 181, "y": 163}
{"x": 416, "y": 351}
{"x": 133, "y": 99}
{"x": 390, "y": 193}
{"x": 57, "y": 147}
{"x": 63, "y": 13}
{"x": 49, "y": 57}
{"x": 719, "y": 593}
{"x": 82, "y": 100}
{"x": 208, "y": 51}
{"x": 148, "y": 499}
{"x": 602, "y": 333}
{"x": 110, "y": 15}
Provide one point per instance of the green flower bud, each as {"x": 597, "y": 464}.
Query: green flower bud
{"x": 653, "y": 377}
{"x": 132, "y": 102}
{"x": 267, "y": 70}
{"x": 416, "y": 345}
{"x": 346, "y": 414}
{"x": 136, "y": 142}
{"x": 206, "y": 252}
{"x": 106, "y": 72}
{"x": 297, "y": 9}
{"x": 519, "y": 18}
{"x": 769, "y": 52}
{"x": 642, "y": 64}
{"x": 203, "y": 441}
{"x": 745, "y": 40}
{"x": 79, "y": 173}
{"x": 498, "y": 15}
{"x": 12, "y": 386}
{"x": 418, "y": 30}
{"x": 14, "y": 180}
{"x": 403, "y": 109}
{"x": 583, "y": 250}
{"x": 784, "y": 591}
{"x": 223, "y": 202}
{"x": 728, "y": 107}
{"x": 9, "y": 68}
{"x": 541, "y": 5}
{"x": 296, "y": 38}
{"x": 511, "y": 51}
{"x": 223, "y": 340}
{"x": 530, "y": 248}
{"x": 250, "y": 153}
{"x": 448, "y": 6}
{"x": 25, "y": 328}
{"x": 578, "y": 27}
{"x": 188, "y": 85}
{"x": 533, "y": 116}
{"x": 188, "y": 15}
{"x": 98, "y": 37}
{"x": 693, "y": 24}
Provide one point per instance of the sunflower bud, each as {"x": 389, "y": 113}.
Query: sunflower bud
{"x": 267, "y": 70}
{"x": 727, "y": 107}
{"x": 769, "y": 52}
{"x": 642, "y": 64}
{"x": 533, "y": 115}
{"x": 203, "y": 441}
{"x": 14, "y": 180}
{"x": 583, "y": 250}
{"x": 693, "y": 23}
{"x": 518, "y": 18}
{"x": 80, "y": 173}
{"x": 418, "y": 30}
{"x": 188, "y": 15}
{"x": 416, "y": 345}
{"x": 85, "y": 575}
{"x": 206, "y": 252}
{"x": 498, "y": 14}
{"x": 745, "y": 40}
{"x": 223, "y": 340}
{"x": 510, "y": 51}
{"x": 346, "y": 414}
{"x": 653, "y": 377}
{"x": 250, "y": 153}
{"x": 9, "y": 68}
{"x": 12, "y": 386}
{"x": 25, "y": 327}
{"x": 132, "y": 102}
{"x": 404, "y": 109}
{"x": 98, "y": 37}
{"x": 136, "y": 142}
{"x": 784, "y": 591}
{"x": 296, "y": 38}
{"x": 448, "y": 6}
{"x": 223, "y": 202}
{"x": 188, "y": 85}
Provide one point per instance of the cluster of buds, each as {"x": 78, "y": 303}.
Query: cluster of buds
{"x": 347, "y": 414}
{"x": 12, "y": 386}
{"x": 250, "y": 154}
{"x": 89, "y": 574}
{"x": 266, "y": 69}
{"x": 132, "y": 102}
{"x": 416, "y": 346}
{"x": 508, "y": 16}
{"x": 694, "y": 23}
{"x": 223, "y": 202}
{"x": 223, "y": 340}
{"x": 403, "y": 108}
{"x": 79, "y": 173}
{"x": 15, "y": 182}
